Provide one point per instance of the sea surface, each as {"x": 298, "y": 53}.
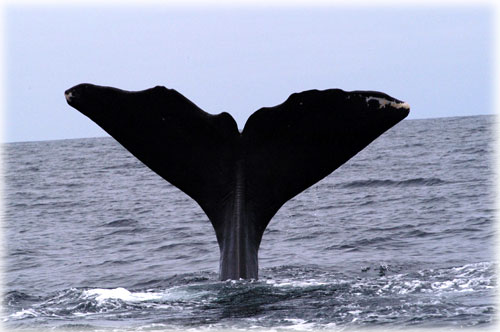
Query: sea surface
{"x": 401, "y": 236}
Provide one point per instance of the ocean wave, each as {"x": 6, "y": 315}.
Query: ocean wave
{"x": 361, "y": 244}
{"x": 313, "y": 299}
{"x": 15, "y": 298}
{"x": 127, "y": 231}
{"x": 101, "y": 295}
{"x": 128, "y": 165}
{"x": 388, "y": 183}
{"x": 121, "y": 222}
{"x": 467, "y": 278}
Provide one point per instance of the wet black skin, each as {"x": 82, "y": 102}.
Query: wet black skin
{"x": 240, "y": 180}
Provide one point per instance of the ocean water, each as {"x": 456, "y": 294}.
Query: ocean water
{"x": 400, "y": 236}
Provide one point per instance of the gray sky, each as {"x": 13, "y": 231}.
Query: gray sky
{"x": 238, "y": 59}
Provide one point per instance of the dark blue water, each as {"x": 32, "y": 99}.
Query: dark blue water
{"x": 400, "y": 236}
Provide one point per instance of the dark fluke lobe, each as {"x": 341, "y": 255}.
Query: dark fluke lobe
{"x": 240, "y": 180}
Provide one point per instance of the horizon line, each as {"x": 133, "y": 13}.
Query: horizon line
{"x": 240, "y": 129}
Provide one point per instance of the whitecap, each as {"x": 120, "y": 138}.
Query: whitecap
{"x": 24, "y": 313}
{"x": 299, "y": 324}
{"x": 173, "y": 294}
{"x": 296, "y": 283}
{"x": 120, "y": 293}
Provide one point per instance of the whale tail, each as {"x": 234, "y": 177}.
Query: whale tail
{"x": 240, "y": 180}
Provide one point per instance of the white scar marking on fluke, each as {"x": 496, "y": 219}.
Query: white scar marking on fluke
{"x": 68, "y": 96}
{"x": 382, "y": 102}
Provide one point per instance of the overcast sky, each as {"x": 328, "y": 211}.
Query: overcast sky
{"x": 438, "y": 59}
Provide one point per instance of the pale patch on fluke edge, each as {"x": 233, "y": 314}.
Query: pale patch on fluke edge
{"x": 382, "y": 102}
{"x": 68, "y": 96}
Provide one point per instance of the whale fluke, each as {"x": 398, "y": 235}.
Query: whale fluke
{"x": 240, "y": 180}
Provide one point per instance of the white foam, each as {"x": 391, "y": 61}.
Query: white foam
{"x": 173, "y": 294}
{"x": 154, "y": 327}
{"x": 382, "y": 102}
{"x": 293, "y": 283}
{"x": 298, "y": 324}
{"x": 121, "y": 294}
{"x": 23, "y": 314}
{"x": 443, "y": 285}
{"x": 469, "y": 278}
